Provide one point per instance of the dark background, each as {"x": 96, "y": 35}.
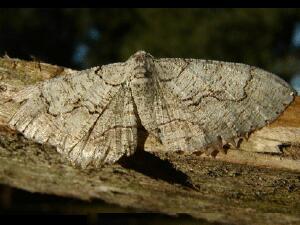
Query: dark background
{"x": 82, "y": 38}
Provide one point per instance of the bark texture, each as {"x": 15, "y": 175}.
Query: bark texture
{"x": 95, "y": 116}
{"x": 263, "y": 175}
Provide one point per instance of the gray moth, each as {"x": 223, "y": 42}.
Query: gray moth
{"x": 94, "y": 116}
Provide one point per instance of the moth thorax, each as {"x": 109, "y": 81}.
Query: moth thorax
{"x": 140, "y": 71}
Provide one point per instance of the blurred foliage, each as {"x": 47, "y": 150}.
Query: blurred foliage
{"x": 260, "y": 37}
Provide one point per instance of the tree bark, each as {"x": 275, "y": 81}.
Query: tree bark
{"x": 262, "y": 175}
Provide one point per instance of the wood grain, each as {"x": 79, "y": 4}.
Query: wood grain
{"x": 290, "y": 117}
{"x": 234, "y": 188}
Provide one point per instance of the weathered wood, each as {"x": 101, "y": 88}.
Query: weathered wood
{"x": 261, "y": 176}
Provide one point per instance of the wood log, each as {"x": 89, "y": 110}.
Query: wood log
{"x": 260, "y": 176}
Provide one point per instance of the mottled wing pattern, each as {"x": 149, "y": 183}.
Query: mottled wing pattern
{"x": 92, "y": 116}
{"x": 199, "y": 102}
{"x": 163, "y": 115}
{"x": 88, "y": 116}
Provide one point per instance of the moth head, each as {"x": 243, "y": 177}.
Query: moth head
{"x": 141, "y": 57}
{"x": 142, "y": 62}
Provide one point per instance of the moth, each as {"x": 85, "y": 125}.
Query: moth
{"x": 94, "y": 117}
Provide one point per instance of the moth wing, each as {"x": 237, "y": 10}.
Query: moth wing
{"x": 88, "y": 116}
{"x": 199, "y": 102}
